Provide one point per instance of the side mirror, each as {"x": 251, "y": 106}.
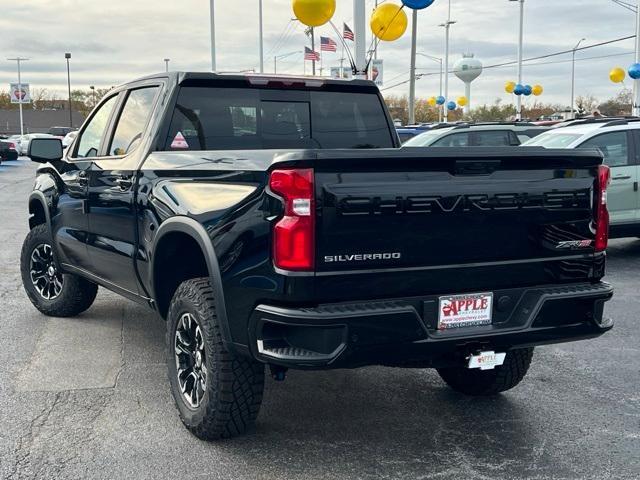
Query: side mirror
{"x": 43, "y": 150}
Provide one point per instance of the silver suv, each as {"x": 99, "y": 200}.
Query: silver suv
{"x": 476, "y": 135}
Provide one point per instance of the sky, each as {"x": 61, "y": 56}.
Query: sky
{"x": 115, "y": 41}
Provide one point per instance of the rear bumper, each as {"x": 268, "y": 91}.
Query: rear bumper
{"x": 404, "y": 331}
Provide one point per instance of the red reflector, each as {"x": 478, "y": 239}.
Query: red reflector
{"x": 601, "y": 211}
{"x": 294, "y": 233}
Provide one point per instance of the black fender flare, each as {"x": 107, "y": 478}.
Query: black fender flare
{"x": 38, "y": 196}
{"x": 196, "y": 231}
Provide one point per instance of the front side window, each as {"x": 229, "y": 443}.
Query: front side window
{"x": 89, "y": 143}
{"x": 613, "y": 146}
{"x": 239, "y": 118}
{"x": 133, "y": 120}
{"x": 453, "y": 140}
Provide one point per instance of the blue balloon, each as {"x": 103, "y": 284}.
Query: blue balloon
{"x": 519, "y": 90}
{"x": 440, "y": 100}
{"x": 528, "y": 90}
{"x": 452, "y": 105}
{"x": 634, "y": 71}
{"x": 417, "y": 4}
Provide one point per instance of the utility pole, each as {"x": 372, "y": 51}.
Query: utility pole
{"x": 412, "y": 78}
{"x": 261, "y": 37}
{"x": 360, "y": 30}
{"x": 213, "y": 34}
{"x": 439, "y": 60}
{"x": 166, "y": 64}
{"x": 375, "y": 48}
{"x": 18, "y": 60}
{"x": 447, "y": 26}
{"x": 573, "y": 76}
{"x": 67, "y": 56}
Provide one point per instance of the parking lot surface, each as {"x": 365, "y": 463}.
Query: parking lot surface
{"x": 88, "y": 397}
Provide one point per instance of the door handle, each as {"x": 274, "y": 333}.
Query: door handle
{"x": 82, "y": 178}
{"x": 621, "y": 177}
{"x": 124, "y": 183}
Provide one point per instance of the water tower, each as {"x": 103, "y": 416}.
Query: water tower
{"x": 467, "y": 69}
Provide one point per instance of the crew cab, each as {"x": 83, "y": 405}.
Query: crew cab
{"x": 274, "y": 221}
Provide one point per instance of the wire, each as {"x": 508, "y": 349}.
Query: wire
{"x": 540, "y": 57}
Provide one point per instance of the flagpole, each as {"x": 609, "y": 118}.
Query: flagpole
{"x": 313, "y": 49}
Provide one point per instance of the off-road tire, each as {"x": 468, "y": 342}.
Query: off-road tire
{"x": 478, "y": 382}
{"x": 77, "y": 294}
{"x": 234, "y": 386}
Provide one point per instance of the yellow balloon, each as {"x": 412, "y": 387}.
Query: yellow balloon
{"x": 314, "y": 13}
{"x": 617, "y": 75}
{"x": 432, "y": 101}
{"x": 509, "y": 87}
{"x": 388, "y": 22}
{"x": 537, "y": 90}
{"x": 462, "y": 101}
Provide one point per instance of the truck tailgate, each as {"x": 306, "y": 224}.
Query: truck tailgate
{"x": 431, "y": 209}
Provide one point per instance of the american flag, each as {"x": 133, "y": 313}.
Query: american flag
{"x": 311, "y": 55}
{"x": 347, "y": 32}
{"x": 327, "y": 44}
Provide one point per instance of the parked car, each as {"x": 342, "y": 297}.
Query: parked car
{"x": 8, "y": 150}
{"x": 619, "y": 142}
{"x": 69, "y": 138}
{"x": 276, "y": 223}
{"x": 25, "y": 139}
{"x": 476, "y": 135}
{"x": 409, "y": 131}
{"x": 60, "y": 132}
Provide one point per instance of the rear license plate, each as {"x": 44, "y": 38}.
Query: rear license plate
{"x": 468, "y": 310}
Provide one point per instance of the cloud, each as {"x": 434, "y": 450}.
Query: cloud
{"x": 115, "y": 41}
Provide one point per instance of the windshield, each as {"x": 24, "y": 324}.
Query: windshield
{"x": 207, "y": 118}
{"x": 426, "y": 138}
{"x": 552, "y": 140}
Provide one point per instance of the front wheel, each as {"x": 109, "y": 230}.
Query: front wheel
{"x": 477, "y": 382}
{"x": 218, "y": 393}
{"x": 52, "y": 292}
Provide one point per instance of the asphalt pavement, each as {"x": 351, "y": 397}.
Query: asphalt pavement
{"x": 88, "y": 398}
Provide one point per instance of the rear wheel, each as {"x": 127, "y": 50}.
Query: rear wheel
{"x": 218, "y": 393}
{"x": 478, "y": 382}
{"x": 52, "y": 292}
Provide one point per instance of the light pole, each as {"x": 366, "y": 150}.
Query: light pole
{"x": 18, "y": 60}
{"x": 213, "y": 35}
{"x": 280, "y": 57}
{"x": 412, "y": 79}
{"x": 360, "y": 26}
{"x": 447, "y": 26}
{"x": 166, "y": 64}
{"x": 636, "y": 83}
{"x": 67, "y": 56}
{"x": 439, "y": 61}
{"x": 520, "y": 45}
{"x": 93, "y": 95}
{"x": 261, "y": 37}
{"x": 573, "y": 76}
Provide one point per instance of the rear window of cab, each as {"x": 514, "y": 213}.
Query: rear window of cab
{"x": 207, "y": 118}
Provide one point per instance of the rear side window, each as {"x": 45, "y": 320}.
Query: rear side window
{"x": 246, "y": 118}
{"x": 133, "y": 120}
{"x": 492, "y": 138}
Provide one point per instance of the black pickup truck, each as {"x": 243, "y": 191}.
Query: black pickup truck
{"x": 276, "y": 221}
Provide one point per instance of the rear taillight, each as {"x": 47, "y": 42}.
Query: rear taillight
{"x": 293, "y": 234}
{"x": 601, "y": 211}
{"x": 12, "y": 146}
